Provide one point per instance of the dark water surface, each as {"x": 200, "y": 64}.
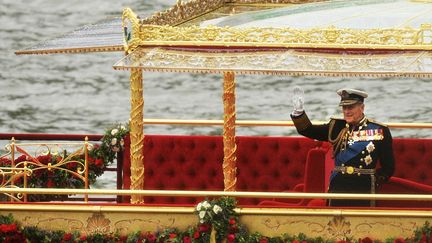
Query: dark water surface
{"x": 81, "y": 93}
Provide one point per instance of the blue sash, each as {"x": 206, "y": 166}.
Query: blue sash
{"x": 353, "y": 150}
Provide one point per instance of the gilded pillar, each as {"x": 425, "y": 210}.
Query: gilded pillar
{"x": 136, "y": 134}
{"x": 230, "y": 147}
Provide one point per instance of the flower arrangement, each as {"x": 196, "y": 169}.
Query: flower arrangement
{"x": 61, "y": 170}
{"x": 217, "y": 222}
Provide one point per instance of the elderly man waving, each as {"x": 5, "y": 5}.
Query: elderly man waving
{"x": 359, "y": 145}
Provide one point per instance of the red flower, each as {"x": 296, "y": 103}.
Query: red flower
{"x": 203, "y": 228}
{"x": 45, "y": 159}
{"x": 295, "y": 241}
{"x": 50, "y": 183}
{"x": 172, "y": 235}
{"x": 231, "y": 238}
{"x": 123, "y": 238}
{"x": 366, "y": 240}
{"x": 83, "y": 238}
{"x": 187, "y": 239}
{"x": 5, "y": 161}
{"x": 8, "y": 228}
{"x": 232, "y": 221}
{"x": 71, "y": 165}
{"x": 399, "y": 240}
{"x": 150, "y": 237}
{"x": 263, "y": 240}
{"x": 424, "y": 238}
{"x": 233, "y": 228}
{"x": 67, "y": 237}
{"x": 342, "y": 241}
{"x": 196, "y": 235}
{"x": 21, "y": 159}
{"x": 99, "y": 162}
{"x": 91, "y": 160}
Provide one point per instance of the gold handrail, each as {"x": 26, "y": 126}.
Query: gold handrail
{"x": 192, "y": 122}
{"x": 291, "y": 195}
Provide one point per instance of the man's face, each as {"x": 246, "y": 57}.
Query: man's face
{"x": 353, "y": 113}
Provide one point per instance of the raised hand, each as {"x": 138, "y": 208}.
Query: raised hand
{"x": 297, "y": 101}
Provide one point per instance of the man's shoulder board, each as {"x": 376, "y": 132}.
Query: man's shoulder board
{"x": 375, "y": 122}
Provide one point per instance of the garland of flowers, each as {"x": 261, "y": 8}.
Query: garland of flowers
{"x": 218, "y": 222}
{"x": 101, "y": 155}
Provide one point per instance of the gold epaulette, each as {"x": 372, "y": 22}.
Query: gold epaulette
{"x": 378, "y": 123}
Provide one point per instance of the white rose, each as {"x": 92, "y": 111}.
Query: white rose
{"x": 114, "y": 131}
{"x": 202, "y": 214}
{"x": 217, "y": 209}
{"x": 122, "y": 142}
{"x": 122, "y": 127}
{"x": 198, "y": 207}
{"x": 206, "y": 205}
{"x": 114, "y": 141}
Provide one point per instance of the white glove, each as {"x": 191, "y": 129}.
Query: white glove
{"x": 297, "y": 101}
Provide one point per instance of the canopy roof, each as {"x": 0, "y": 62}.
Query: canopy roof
{"x": 358, "y": 37}
{"x": 106, "y": 35}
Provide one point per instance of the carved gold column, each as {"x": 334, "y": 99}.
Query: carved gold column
{"x": 136, "y": 134}
{"x": 230, "y": 147}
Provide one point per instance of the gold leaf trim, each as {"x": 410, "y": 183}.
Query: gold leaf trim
{"x": 331, "y": 37}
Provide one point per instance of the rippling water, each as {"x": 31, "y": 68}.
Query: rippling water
{"x": 81, "y": 93}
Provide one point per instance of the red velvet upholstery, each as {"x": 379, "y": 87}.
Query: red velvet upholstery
{"x": 313, "y": 180}
{"x": 195, "y": 163}
{"x": 413, "y": 159}
{"x": 267, "y": 164}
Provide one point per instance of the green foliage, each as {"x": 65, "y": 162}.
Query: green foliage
{"x": 11, "y": 232}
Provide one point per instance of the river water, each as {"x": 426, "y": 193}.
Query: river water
{"x": 81, "y": 93}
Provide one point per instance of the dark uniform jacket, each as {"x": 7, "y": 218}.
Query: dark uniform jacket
{"x": 368, "y": 146}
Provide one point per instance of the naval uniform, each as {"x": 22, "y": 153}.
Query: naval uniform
{"x": 357, "y": 151}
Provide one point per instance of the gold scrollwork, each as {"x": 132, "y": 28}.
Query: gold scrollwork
{"x": 14, "y": 170}
{"x": 331, "y": 37}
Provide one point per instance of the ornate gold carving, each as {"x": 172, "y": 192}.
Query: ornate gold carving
{"x": 59, "y": 223}
{"x": 128, "y": 225}
{"x": 97, "y": 223}
{"x": 331, "y": 37}
{"x": 285, "y": 62}
{"x": 136, "y": 134}
{"x": 229, "y": 163}
{"x": 339, "y": 228}
{"x": 183, "y": 11}
{"x": 131, "y": 28}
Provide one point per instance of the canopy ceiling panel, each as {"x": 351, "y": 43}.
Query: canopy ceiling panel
{"x": 280, "y": 62}
{"x": 106, "y": 35}
{"x": 355, "y": 14}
